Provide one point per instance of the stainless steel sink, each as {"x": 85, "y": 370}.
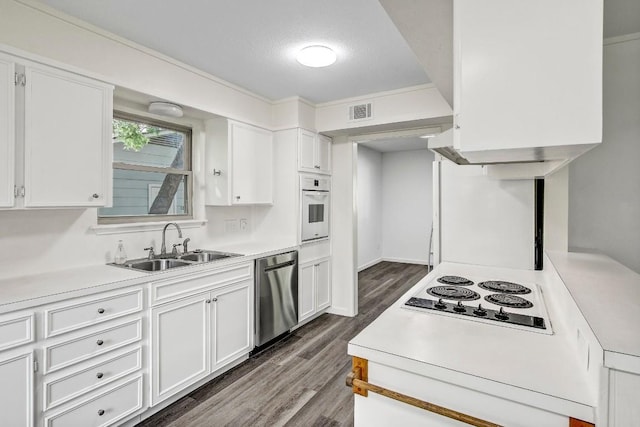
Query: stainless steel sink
{"x": 156, "y": 264}
{"x": 198, "y": 256}
{"x": 206, "y": 256}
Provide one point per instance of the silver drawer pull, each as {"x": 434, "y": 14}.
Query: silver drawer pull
{"x": 99, "y": 342}
{"x": 101, "y": 310}
{"x": 99, "y": 375}
{"x": 101, "y": 412}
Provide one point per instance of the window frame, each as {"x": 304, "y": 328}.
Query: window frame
{"x": 188, "y": 172}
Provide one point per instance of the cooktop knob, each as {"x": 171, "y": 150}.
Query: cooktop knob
{"x": 440, "y": 305}
{"x": 502, "y": 315}
{"x": 459, "y": 308}
{"x": 480, "y": 311}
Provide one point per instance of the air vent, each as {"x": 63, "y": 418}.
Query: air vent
{"x": 360, "y": 112}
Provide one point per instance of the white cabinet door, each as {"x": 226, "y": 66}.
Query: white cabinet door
{"x": 180, "y": 345}
{"x": 324, "y": 154}
{"x": 252, "y": 165}
{"x": 232, "y": 323}
{"x": 314, "y": 152}
{"x": 517, "y": 87}
{"x": 306, "y": 291}
{"x": 624, "y": 396}
{"x": 7, "y": 130}
{"x": 16, "y": 390}
{"x": 306, "y": 151}
{"x": 67, "y": 139}
{"x": 323, "y": 284}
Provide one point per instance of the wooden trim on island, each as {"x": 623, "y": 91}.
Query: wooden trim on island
{"x": 579, "y": 423}
{"x": 358, "y": 381}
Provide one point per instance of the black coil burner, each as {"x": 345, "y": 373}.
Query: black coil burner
{"x": 507, "y": 300}
{"x": 504, "y": 287}
{"x": 455, "y": 280}
{"x": 453, "y": 292}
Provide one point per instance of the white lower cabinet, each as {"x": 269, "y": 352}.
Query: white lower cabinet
{"x": 179, "y": 345}
{"x": 624, "y": 399}
{"x": 314, "y": 288}
{"x": 16, "y": 389}
{"x": 194, "y": 336}
{"x": 103, "y": 409}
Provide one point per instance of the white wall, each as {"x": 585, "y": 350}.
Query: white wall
{"x": 407, "y": 205}
{"x": 369, "y": 193}
{"x": 485, "y": 221}
{"x": 604, "y": 184}
{"x": 344, "y": 225}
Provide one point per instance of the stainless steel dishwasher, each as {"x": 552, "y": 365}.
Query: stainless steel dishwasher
{"x": 276, "y": 296}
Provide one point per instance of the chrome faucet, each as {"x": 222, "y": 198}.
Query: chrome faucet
{"x": 163, "y": 249}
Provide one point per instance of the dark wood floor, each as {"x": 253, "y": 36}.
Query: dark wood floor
{"x": 300, "y": 381}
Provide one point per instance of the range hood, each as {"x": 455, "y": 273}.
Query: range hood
{"x": 523, "y": 163}
{"x": 443, "y": 145}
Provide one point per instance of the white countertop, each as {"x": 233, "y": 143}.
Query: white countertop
{"x": 608, "y": 295}
{"x": 25, "y": 291}
{"x": 533, "y": 368}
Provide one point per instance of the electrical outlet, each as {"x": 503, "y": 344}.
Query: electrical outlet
{"x": 244, "y": 224}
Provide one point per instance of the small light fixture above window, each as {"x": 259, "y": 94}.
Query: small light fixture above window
{"x": 165, "y": 109}
{"x": 316, "y": 56}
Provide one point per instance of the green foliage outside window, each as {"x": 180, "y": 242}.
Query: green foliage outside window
{"x": 134, "y": 136}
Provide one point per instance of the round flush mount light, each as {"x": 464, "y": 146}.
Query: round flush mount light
{"x": 316, "y": 56}
{"x": 165, "y": 109}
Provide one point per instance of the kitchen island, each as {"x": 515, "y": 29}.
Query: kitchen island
{"x": 495, "y": 373}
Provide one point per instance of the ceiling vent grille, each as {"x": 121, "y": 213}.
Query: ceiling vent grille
{"x": 360, "y": 112}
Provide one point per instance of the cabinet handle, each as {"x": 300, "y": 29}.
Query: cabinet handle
{"x": 101, "y": 310}
{"x": 317, "y": 167}
{"x": 217, "y": 172}
{"x": 237, "y": 197}
{"x": 99, "y": 375}
{"x": 99, "y": 342}
{"x": 95, "y": 196}
{"x": 101, "y": 412}
{"x": 215, "y": 299}
{"x": 208, "y": 301}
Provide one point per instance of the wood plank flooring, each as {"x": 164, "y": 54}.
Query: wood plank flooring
{"x": 300, "y": 381}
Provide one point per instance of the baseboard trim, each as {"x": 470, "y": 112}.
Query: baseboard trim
{"x": 340, "y": 311}
{"x": 407, "y": 261}
{"x": 369, "y": 264}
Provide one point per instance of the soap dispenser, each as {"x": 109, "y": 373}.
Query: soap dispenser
{"x": 121, "y": 256}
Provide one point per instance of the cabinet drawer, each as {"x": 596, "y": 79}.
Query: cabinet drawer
{"x": 66, "y": 353}
{"x": 70, "y": 317}
{"x": 169, "y": 289}
{"x": 16, "y": 330}
{"x": 104, "y": 409}
{"x": 63, "y": 389}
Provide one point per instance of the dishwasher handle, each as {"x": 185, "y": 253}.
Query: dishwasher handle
{"x": 278, "y": 266}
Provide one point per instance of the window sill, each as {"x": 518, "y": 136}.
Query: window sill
{"x": 145, "y": 226}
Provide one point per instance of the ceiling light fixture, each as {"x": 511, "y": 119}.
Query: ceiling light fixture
{"x": 165, "y": 109}
{"x": 428, "y": 135}
{"x": 316, "y": 56}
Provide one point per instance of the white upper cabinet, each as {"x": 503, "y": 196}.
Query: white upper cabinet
{"x": 527, "y": 79}
{"x": 67, "y": 139}
{"x": 314, "y": 152}
{"x": 7, "y": 130}
{"x": 55, "y": 137}
{"x": 239, "y": 164}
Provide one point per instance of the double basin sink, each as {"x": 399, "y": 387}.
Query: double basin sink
{"x": 190, "y": 258}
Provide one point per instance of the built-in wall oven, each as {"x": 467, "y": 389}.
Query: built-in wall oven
{"x": 315, "y": 197}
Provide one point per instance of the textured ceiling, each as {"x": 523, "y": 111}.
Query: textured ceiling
{"x": 252, "y": 43}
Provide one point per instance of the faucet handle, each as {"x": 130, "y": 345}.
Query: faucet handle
{"x": 151, "y": 252}
{"x": 185, "y": 247}
{"x": 174, "y": 252}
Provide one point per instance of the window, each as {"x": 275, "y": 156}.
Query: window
{"x": 152, "y": 176}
